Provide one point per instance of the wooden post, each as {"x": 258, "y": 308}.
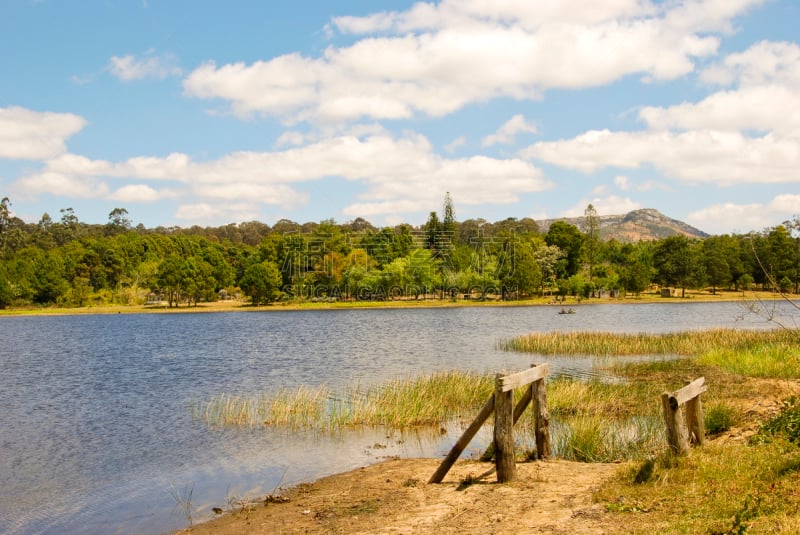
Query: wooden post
{"x": 694, "y": 417}
{"x": 541, "y": 419}
{"x": 463, "y": 441}
{"x": 676, "y": 430}
{"x": 504, "y": 433}
{"x": 522, "y": 404}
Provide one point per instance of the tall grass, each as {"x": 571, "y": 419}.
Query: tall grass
{"x": 427, "y": 400}
{"x": 685, "y": 343}
{"x": 597, "y": 439}
{"x": 593, "y": 421}
{"x": 721, "y": 488}
{"x": 779, "y": 360}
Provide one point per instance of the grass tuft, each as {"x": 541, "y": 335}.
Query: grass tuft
{"x": 687, "y": 343}
{"x": 720, "y": 416}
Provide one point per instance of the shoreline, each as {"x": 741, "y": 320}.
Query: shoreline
{"x": 245, "y": 306}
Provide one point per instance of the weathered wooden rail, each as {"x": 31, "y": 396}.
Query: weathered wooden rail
{"x": 501, "y": 403}
{"x": 680, "y": 434}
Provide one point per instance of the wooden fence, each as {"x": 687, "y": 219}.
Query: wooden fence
{"x": 680, "y": 434}
{"x": 501, "y": 403}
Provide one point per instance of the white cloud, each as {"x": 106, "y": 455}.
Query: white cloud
{"x": 721, "y": 157}
{"x": 149, "y": 65}
{"x": 460, "y": 141}
{"x": 713, "y": 140}
{"x": 764, "y": 63}
{"x": 730, "y": 217}
{"x": 692, "y": 15}
{"x": 137, "y": 193}
{"x": 767, "y": 99}
{"x": 505, "y": 134}
{"x": 435, "y": 59}
{"x": 610, "y": 205}
{"x": 69, "y": 186}
{"x": 202, "y": 213}
{"x": 33, "y": 135}
{"x": 290, "y": 138}
{"x": 762, "y": 108}
{"x": 399, "y": 175}
{"x": 624, "y": 184}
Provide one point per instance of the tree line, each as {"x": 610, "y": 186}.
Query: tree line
{"x": 70, "y": 263}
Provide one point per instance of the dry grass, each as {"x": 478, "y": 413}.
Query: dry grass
{"x": 427, "y": 400}
{"x": 688, "y": 343}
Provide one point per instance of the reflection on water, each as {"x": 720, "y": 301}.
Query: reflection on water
{"x": 97, "y": 426}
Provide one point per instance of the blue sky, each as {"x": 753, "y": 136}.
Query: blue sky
{"x": 197, "y": 112}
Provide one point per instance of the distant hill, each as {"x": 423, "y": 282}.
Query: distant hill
{"x": 645, "y": 224}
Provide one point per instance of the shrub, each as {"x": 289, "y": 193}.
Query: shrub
{"x": 785, "y": 423}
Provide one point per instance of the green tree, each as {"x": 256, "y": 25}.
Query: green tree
{"x": 570, "y": 241}
{"x": 170, "y": 278}
{"x": 49, "y": 284}
{"x": 261, "y": 282}
{"x": 548, "y": 258}
{"x": 591, "y": 228}
{"x": 717, "y": 270}
{"x": 432, "y": 232}
{"x": 6, "y": 292}
{"x": 522, "y": 272}
{"x": 118, "y": 221}
{"x": 677, "y": 263}
{"x": 198, "y": 280}
{"x": 449, "y": 216}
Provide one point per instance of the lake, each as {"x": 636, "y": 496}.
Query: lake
{"x": 97, "y": 430}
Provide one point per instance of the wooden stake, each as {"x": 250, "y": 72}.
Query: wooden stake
{"x": 542, "y": 419}
{"x": 522, "y": 404}
{"x": 463, "y": 441}
{"x": 694, "y": 417}
{"x": 504, "y": 433}
{"x": 676, "y": 430}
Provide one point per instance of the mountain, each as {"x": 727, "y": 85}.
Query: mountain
{"x": 645, "y": 224}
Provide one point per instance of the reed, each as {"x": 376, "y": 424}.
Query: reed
{"x": 573, "y": 398}
{"x": 426, "y": 400}
{"x": 596, "y": 439}
{"x": 687, "y": 343}
{"x": 779, "y": 360}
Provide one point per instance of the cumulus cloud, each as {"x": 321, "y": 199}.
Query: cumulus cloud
{"x": 399, "y": 175}
{"x": 721, "y": 157}
{"x": 506, "y": 133}
{"x": 765, "y": 108}
{"x": 748, "y": 134}
{"x": 460, "y": 141}
{"x": 148, "y": 65}
{"x": 766, "y": 96}
{"x": 136, "y": 193}
{"x": 764, "y": 63}
{"x": 434, "y": 59}
{"x": 59, "y": 184}
{"x": 33, "y": 135}
{"x": 609, "y": 205}
{"x": 202, "y": 213}
{"x": 721, "y": 218}
{"x": 624, "y": 183}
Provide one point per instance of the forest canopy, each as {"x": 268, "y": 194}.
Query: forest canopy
{"x": 70, "y": 263}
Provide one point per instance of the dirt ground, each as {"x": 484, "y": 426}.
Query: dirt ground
{"x": 393, "y": 497}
